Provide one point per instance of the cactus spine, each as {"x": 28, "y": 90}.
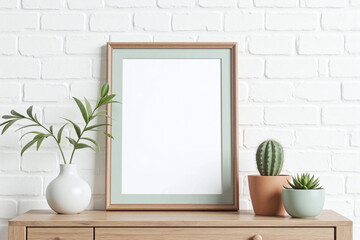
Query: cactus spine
{"x": 269, "y": 158}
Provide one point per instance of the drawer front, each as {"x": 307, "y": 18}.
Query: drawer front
{"x": 60, "y": 234}
{"x": 214, "y": 233}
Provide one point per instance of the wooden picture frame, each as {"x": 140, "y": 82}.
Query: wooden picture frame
{"x": 126, "y": 62}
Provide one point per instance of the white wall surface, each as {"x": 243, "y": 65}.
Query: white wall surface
{"x": 299, "y": 70}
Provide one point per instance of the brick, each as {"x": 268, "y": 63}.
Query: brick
{"x": 60, "y": 68}
{"x": 86, "y": 44}
{"x": 243, "y": 91}
{"x": 8, "y": 4}
{"x": 345, "y": 67}
{"x": 292, "y": 21}
{"x": 197, "y": 22}
{"x": 270, "y": 91}
{"x": 40, "y": 92}
{"x": 291, "y": 115}
{"x": 109, "y": 22}
{"x": 352, "y": 184}
{"x": 10, "y": 92}
{"x": 250, "y": 67}
{"x": 66, "y": 22}
{"x": 9, "y": 68}
{"x": 9, "y": 161}
{"x": 301, "y": 161}
{"x": 247, "y": 161}
{"x": 42, "y": 4}
{"x": 245, "y": 3}
{"x": 253, "y": 137}
{"x": 225, "y": 38}
{"x": 355, "y": 3}
{"x": 18, "y": 21}
{"x": 244, "y": 21}
{"x": 27, "y": 205}
{"x": 320, "y": 138}
{"x": 89, "y": 4}
{"x": 40, "y": 45}
{"x": 217, "y": 3}
{"x": 152, "y": 21}
{"x": 357, "y": 210}
{"x": 350, "y": 90}
{"x": 333, "y": 184}
{"x": 352, "y": 43}
{"x": 323, "y": 68}
{"x": 321, "y": 44}
{"x": 341, "y": 115}
{"x": 175, "y": 3}
{"x": 318, "y": 91}
{"x": 8, "y": 208}
{"x": 173, "y": 38}
{"x": 341, "y": 21}
{"x": 271, "y": 44}
{"x": 89, "y": 160}
{"x": 325, "y": 3}
{"x": 355, "y": 138}
{"x": 346, "y": 161}
{"x": 342, "y": 206}
{"x": 250, "y": 115}
{"x": 130, "y": 3}
{"x": 99, "y": 68}
{"x": 39, "y": 161}
{"x": 130, "y": 37}
{"x": 291, "y": 68}
{"x": 8, "y": 45}
{"x": 88, "y": 89}
{"x": 10, "y": 139}
{"x": 21, "y": 185}
{"x": 53, "y": 114}
{"x": 275, "y": 3}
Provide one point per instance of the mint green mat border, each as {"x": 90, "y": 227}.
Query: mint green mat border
{"x": 227, "y": 172}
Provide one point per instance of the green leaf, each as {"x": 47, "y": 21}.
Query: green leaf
{"x": 82, "y": 109}
{"x": 95, "y": 126}
{"x": 60, "y": 133}
{"x": 8, "y": 125}
{"x": 88, "y": 107}
{"x": 102, "y": 115}
{"x": 108, "y": 135}
{"x": 83, "y": 145}
{"x": 8, "y": 117}
{"x": 32, "y": 132}
{"x": 52, "y": 129}
{"x": 105, "y": 90}
{"x": 29, "y": 112}
{"x": 31, "y": 125}
{"x": 71, "y": 140}
{"x": 76, "y": 127}
{"x": 39, "y": 143}
{"x": 106, "y": 99}
{"x": 15, "y": 113}
{"x": 29, "y": 144}
{"x": 93, "y": 141}
{"x": 5, "y": 122}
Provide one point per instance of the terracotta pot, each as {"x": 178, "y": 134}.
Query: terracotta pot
{"x": 266, "y": 194}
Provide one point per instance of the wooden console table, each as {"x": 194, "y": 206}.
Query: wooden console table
{"x": 242, "y": 225}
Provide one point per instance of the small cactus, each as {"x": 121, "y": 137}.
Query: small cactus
{"x": 305, "y": 181}
{"x": 269, "y": 158}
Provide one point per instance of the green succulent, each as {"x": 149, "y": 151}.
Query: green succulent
{"x": 304, "y": 181}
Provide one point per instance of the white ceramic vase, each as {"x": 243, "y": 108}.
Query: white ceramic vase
{"x": 68, "y": 193}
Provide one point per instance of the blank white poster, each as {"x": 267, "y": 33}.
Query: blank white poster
{"x": 171, "y": 126}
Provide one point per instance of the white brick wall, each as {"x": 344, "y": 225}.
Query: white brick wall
{"x": 299, "y": 69}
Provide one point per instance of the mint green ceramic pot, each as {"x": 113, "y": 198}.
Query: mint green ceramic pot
{"x": 303, "y": 203}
